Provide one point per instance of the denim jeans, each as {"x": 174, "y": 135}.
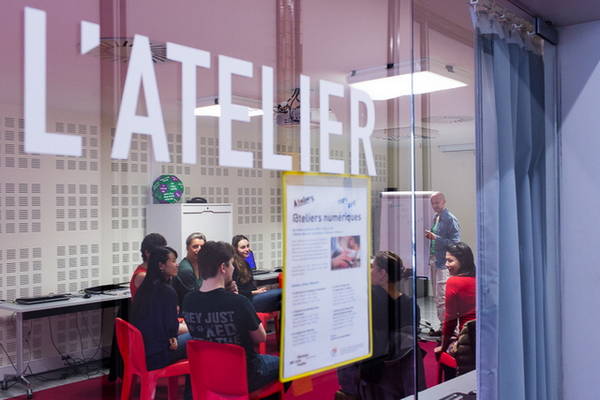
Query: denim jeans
{"x": 180, "y": 353}
{"x": 263, "y": 370}
{"x": 268, "y": 301}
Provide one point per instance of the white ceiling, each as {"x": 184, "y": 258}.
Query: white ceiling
{"x": 564, "y": 12}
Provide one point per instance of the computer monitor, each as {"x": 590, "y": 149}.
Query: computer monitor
{"x": 251, "y": 262}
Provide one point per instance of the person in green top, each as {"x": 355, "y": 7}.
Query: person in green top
{"x": 188, "y": 278}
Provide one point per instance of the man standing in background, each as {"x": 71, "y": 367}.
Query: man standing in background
{"x": 445, "y": 229}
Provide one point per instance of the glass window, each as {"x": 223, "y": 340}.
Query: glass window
{"x": 102, "y": 99}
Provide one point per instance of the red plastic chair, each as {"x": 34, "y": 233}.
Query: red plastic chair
{"x": 131, "y": 346}
{"x": 446, "y": 360}
{"x": 264, "y": 318}
{"x": 218, "y": 371}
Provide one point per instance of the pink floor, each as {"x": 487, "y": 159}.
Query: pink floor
{"x": 317, "y": 387}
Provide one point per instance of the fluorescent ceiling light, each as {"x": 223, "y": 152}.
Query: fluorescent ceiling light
{"x": 215, "y": 111}
{"x": 213, "y": 108}
{"x": 390, "y": 87}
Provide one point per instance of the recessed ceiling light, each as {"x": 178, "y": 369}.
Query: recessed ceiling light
{"x": 391, "y": 81}
{"x": 210, "y": 107}
{"x": 390, "y": 87}
{"x": 215, "y": 111}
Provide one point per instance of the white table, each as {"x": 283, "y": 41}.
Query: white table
{"x": 462, "y": 384}
{"x": 74, "y": 304}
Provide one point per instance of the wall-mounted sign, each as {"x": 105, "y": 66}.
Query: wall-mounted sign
{"x": 326, "y": 293}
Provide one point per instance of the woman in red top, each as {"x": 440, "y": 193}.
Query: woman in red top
{"x": 460, "y": 291}
{"x": 150, "y": 242}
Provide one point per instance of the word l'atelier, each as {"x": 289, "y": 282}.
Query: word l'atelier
{"x": 140, "y": 72}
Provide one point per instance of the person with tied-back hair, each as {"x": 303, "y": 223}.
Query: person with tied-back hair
{"x": 389, "y": 373}
{"x": 151, "y": 241}
{"x": 460, "y": 291}
{"x": 154, "y": 311}
{"x": 188, "y": 278}
{"x": 263, "y": 298}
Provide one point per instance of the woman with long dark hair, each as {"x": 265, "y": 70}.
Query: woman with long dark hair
{"x": 389, "y": 373}
{"x": 460, "y": 291}
{"x": 154, "y": 311}
{"x": 151, "y": 241}
{"x": 264, "y": 299}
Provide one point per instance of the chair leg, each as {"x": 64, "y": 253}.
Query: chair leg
{"x": 147, "y": 389}
{"x": 126, "y": 385}
{"x": 173, "y": 387}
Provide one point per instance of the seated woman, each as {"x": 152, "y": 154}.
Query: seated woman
{"x": 188, "y": 278}
{"x": 154, "y": 311}
{"x": 389, "y": 373}
{"x": 151, "y": 241}
{"x": 264, "y": 299}
{"x": 460, "y": 292}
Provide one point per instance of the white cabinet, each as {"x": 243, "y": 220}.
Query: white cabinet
{"x": 176, "y": 221}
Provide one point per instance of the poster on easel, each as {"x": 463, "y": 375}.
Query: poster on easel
{"x": 326, "y": 294}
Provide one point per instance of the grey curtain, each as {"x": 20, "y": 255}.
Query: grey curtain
{"x": 518, "y": 287}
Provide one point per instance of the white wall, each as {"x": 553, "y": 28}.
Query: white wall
{"x": 579, "y": 63}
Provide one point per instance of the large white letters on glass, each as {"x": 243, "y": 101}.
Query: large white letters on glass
{"x": 361, "y": 132}
{"x": 304, "y": 123}
{"x": 140, "y": 72}
{"x": 270, "y": 160}
{"x": 37, "y": 140}
{"x": 328, "y": 126}
{"x": 190, "y": 58}
{"x": 231, "y": 112}
{"x": 90, "y": 36}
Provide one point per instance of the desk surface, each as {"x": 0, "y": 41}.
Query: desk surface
{"x": 266, "y": 277}
{"x": 76, "y": 300}
{"x": 462, "y": 384}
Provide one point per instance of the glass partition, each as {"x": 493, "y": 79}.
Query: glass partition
{"x": 102, "y": 98}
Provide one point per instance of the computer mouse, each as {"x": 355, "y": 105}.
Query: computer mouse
{"x": 87, "y": 296}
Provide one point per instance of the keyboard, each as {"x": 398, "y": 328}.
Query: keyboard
{"x": 42, "y": 299}
{"x": 106, "y": 288}
{"x": 260, "y": 272}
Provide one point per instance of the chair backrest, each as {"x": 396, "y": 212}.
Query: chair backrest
{"x": 131, "y": 346}
{"x": 217, "y": 369}
{"x": 264, "y": 319}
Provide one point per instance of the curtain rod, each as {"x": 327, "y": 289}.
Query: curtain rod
{"x": 520, "y": 6}
{"x": 541, "y": 28}
{"x": 509, "y": 5}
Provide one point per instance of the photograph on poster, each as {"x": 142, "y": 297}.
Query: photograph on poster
{"x": 345, "y": 252}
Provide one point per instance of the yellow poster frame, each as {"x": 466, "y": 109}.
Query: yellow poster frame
{"x": 284, "y": 185}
